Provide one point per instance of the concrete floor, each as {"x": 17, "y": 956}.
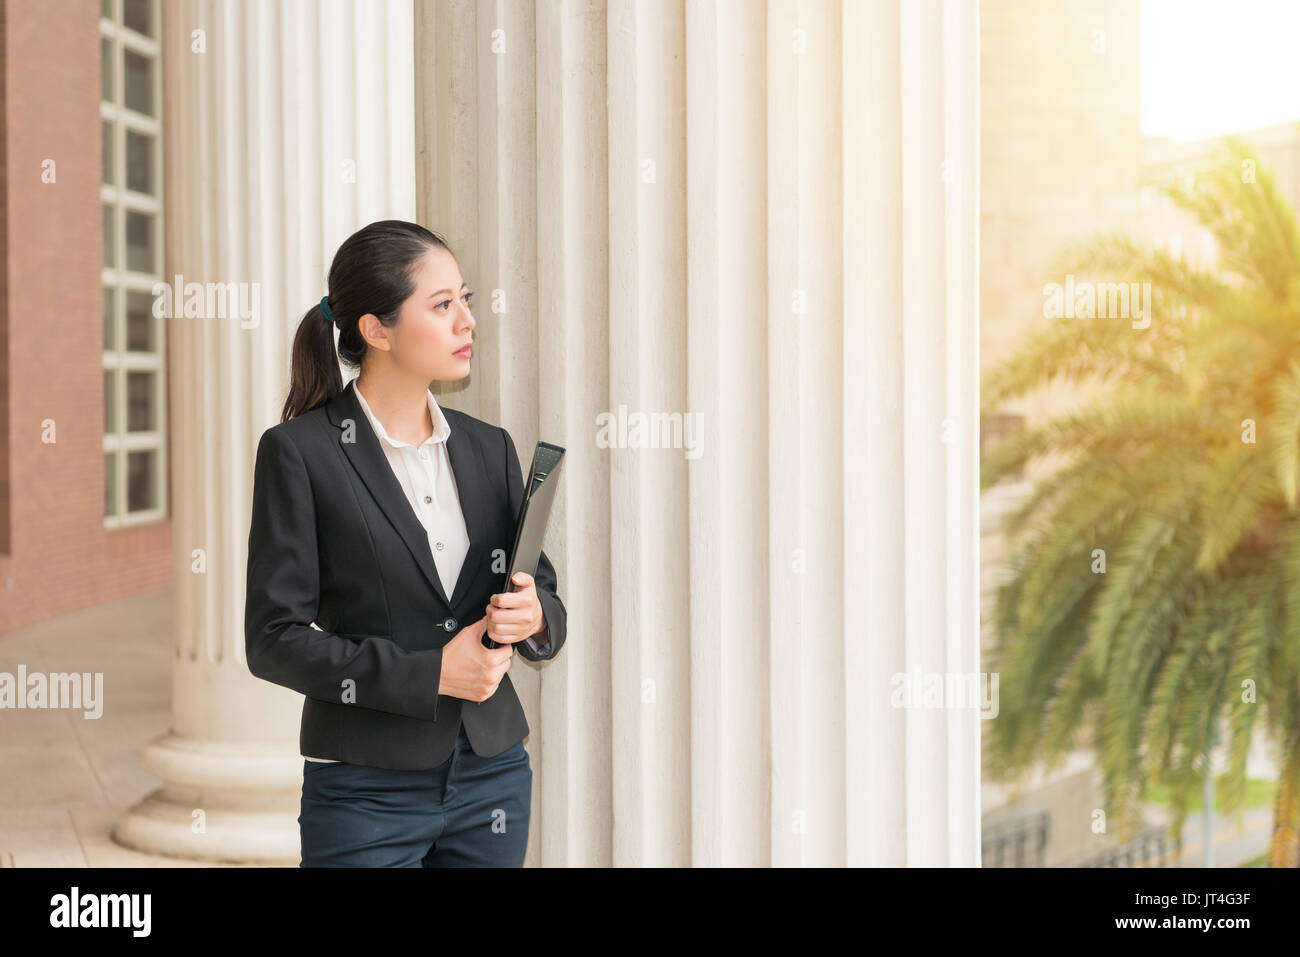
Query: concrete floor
{"x": 65, "y": 778}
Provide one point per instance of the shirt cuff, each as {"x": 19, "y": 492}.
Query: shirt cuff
{"x": 540, "y": 643}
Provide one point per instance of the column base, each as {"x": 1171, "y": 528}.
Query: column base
{"x": 219, "y": 802}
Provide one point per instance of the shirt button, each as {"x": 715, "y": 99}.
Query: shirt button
{"x": 424, "y": 453}
{"x": 449, "y": 624}
{"x": 427, "y": 500}
{"x": 440, "y": 546}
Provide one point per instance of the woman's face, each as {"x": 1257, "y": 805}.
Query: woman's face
{"x": 432, "y": 337}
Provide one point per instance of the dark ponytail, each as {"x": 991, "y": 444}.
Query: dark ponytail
{"x": 372, "y": 272}
{"x": 314, "y": 374}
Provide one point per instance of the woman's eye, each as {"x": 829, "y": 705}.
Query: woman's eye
{"x": 447, "y": 302}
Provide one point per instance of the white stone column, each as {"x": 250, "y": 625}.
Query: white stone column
{"x": 288, "y": 125}
{"x": 760, "y": 218}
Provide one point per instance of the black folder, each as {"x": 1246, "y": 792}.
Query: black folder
{"x": 530, "y": 528}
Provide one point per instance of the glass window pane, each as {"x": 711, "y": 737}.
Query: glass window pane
{"x": 110, "y": 401}
{"x": 110, "y": 326}
{"x": 139, "y": 322}
{"x": 110, "y": 483}
{"x": 140, "y": 401}
{"x": 137, "y": 73}
{"x": 106, "y": 75}
{"x": 106, "y": 8}
{"x": 110, "y": 260}
{"x": 139, "y": 242}
{"x": 136, "y": 15}
{"x": 141, "y": 489}
{"x": 139, "y": 162}
{"x": 108, "y": 153}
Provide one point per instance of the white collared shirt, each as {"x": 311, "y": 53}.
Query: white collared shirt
{"x": 425, "y": 474}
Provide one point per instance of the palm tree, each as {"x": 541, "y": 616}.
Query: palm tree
{"x": 1154, "y": 586}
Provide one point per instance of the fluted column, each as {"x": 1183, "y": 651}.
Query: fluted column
{"x": 758, "y": 220}
{"x": 287, "y": 126}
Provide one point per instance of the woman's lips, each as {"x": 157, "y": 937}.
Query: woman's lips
{"x": 465, "y": 351}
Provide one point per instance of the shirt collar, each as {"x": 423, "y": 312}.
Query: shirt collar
{"x": 441, "y": 427}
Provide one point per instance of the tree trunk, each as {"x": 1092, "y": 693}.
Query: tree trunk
{"x": 1284, "y": 848}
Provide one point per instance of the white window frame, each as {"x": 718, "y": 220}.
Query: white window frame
{"x": 118, "y": 280}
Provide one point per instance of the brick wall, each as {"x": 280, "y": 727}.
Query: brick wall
{"x": 58, "y": 556}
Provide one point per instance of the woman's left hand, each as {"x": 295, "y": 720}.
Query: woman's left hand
{"x": 515, "y": 615}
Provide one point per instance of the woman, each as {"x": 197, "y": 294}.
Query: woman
{"x": 381, "y": 524}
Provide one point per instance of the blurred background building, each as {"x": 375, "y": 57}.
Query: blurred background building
{"x": 1060, "y": 155}
{"x": 1064, "y": 158}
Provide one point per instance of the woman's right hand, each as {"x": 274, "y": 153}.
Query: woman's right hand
{"x": 469, "y": 670}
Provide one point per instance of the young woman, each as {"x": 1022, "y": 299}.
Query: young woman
{"x": 381, "y": 525}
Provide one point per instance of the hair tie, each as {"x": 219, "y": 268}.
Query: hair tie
{"x": 325, "y": 307}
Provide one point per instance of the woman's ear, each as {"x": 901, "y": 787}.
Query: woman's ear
{"x": 374, "y": 332}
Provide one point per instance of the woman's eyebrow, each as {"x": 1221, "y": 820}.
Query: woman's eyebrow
{"x": 463, "y": 285}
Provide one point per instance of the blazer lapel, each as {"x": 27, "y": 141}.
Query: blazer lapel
{"x": 361, "y": 446}
{"x": 471, "y": 488}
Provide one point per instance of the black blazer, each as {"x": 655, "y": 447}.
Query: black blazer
{"x": 334, "y": 541}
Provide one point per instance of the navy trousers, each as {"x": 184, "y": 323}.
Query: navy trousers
{"x": 467, "y": 812}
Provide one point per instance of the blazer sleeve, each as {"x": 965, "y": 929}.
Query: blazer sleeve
{"x": 282, "y": 600}
{"x": 545, "y": 580}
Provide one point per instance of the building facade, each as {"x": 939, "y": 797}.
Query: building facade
{"x": 84, "y": 502}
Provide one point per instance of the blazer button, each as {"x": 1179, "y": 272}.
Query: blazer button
{"x": 449, "y": 624}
